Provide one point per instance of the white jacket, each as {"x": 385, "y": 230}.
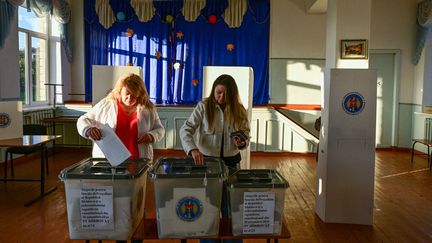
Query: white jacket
{"x": 209, "y": 140}
{"x": 105, "y": 112}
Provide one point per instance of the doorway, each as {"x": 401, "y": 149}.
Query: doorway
{"x": 386, "y": 63}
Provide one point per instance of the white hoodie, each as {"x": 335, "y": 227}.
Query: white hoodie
{"x": 105, "y": 112}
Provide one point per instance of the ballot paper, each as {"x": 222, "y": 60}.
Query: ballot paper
{"x": 111, "y": 146}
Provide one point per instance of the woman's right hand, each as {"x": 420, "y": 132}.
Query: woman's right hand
{"x": 94, "y": 133}
{"x": 198, "y": 157}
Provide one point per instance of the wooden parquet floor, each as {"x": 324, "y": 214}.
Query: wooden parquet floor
{"x": 402, "y": 213}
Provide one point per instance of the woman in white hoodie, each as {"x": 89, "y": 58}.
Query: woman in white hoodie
{"x": 209, "y": 129}
{"x": 128, "y": 110}
{"x": 218, "y": 127}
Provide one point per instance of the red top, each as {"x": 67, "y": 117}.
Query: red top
{"x": 127, "y": 130}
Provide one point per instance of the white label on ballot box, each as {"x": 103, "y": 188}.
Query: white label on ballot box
{"x": 258, "y": 212}
{"x": 96, "y": 207}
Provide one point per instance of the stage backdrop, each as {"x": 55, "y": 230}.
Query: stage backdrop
{"x": 173, "y": 40}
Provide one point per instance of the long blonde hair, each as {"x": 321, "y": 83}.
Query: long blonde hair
{"x": 135, "y": 84}
{"x": 234, "y": 110}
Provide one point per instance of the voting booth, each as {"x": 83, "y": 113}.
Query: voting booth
{"x": 188, "y": 196}
{"x": 346, "y": 159}
{"x": 11, "y": 119}
{"x": 104, "y": 202}
{"x": 245, "y": 81}
{"x": 256, "y": 202}
{"x": 105, "y": 77}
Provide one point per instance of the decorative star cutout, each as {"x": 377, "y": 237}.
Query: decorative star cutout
{"x": 179, "y": 35}
{"x": 230, "y": 47}
{"x": 158, "y": 54}
{"x": 129, "y": 32}
{"x": 195, "y": 82}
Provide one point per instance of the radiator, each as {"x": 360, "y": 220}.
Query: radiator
{"x": 70, "y": 136}
{"x": 428, "y": 129}
{"x": 37, "y": 117}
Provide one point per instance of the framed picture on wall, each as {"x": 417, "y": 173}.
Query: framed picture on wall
{"x": 354, "y": 49}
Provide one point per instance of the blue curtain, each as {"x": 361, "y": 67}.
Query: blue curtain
{"x": 172, "y": 55}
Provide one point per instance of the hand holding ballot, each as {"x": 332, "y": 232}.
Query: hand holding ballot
{"x": 94, "y": 133}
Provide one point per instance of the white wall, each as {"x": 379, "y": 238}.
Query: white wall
{"x": 394, "y": 27}
{"x": 296, "y": 34}
{"x": 9, "y": 69}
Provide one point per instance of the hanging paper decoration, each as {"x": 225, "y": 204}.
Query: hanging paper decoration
{"x": 169, "y": 19}
{"x": 179, "y": 35}
{"x": 121, "y": 16}
{"x": 230, "y": 47}
{"x": 176, "y": 65}
{"x": 195, "y": 82}
{"x": 212, "y": 19}
{"x": 129, "y": 32}
{"x": 158, "y": 55}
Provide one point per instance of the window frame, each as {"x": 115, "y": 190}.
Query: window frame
{"x": 50, "y": 63}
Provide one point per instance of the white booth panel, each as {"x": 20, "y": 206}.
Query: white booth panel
{"x": 105, "y": 77}
{"x": 11, "y": 119}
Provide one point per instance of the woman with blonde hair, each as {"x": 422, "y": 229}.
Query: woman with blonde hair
{"x": 128, "y": 110}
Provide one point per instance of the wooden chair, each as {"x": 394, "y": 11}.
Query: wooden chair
{"x": 31, "y": 129}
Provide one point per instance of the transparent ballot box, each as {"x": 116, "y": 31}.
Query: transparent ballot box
{"x": 104, "y": 202}
{"x": 188, "y": 196}
{"x": 256, "y": 202}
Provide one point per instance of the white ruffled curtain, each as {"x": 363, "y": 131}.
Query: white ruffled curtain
{"x": 61, "y": 12}
{"x": 192, "y": 9}
{"x": 15, "y": 3}
{"x": 234, "y": 13}
{"x": 145, "y": 11}
{"x": 424, "y": 26}
{"x": 424, "y": 16}
{"x": 105, "y": 13}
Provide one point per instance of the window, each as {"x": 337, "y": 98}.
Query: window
{"x": 39, "y": 58}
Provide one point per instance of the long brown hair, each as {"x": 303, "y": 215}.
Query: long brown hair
{"x": 135, "y": 84}
{"x": 234, "y": 110}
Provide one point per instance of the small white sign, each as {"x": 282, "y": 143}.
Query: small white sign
{"x": 96, "y": 207}
{"x": 258, "y": 212}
